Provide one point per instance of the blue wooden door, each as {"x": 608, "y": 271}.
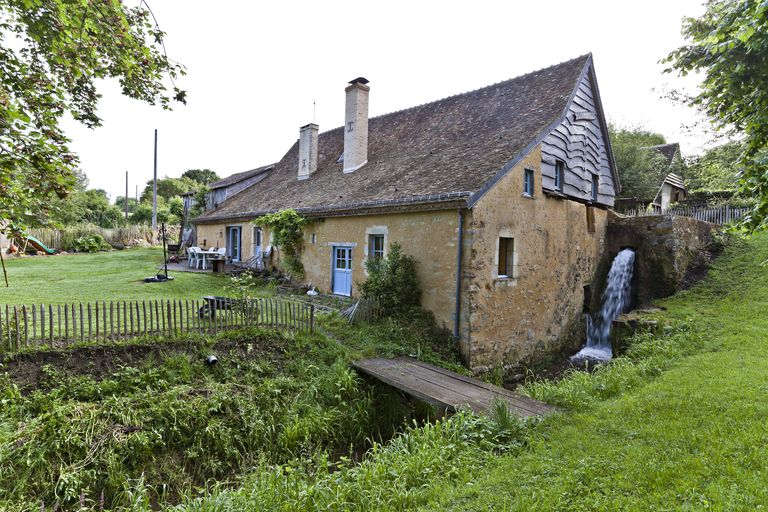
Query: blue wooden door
{"x": 342, "y": 270}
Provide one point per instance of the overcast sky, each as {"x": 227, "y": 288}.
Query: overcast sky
{"x": 255, "y": 69}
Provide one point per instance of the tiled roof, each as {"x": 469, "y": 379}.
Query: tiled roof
{"x": 667, "y": 150}
{"x": 674, "y": 180}
{"x": 238, "y": 177}
{"x": 450, "y": 147}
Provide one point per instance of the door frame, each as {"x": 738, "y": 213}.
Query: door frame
{"x": 333, "y": 266}
{"x": 230, "y": 229}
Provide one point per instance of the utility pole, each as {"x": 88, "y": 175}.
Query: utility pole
{"x": 126, "y": 195}
{"x": 154, "y": 189}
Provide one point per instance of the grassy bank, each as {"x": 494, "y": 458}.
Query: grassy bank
{"x": 679, "y": 423}
{"x": 154, "y": 423}
{"x": 116, "y": 275}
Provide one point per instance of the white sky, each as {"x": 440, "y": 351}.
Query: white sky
{"x": 254, "y": 69}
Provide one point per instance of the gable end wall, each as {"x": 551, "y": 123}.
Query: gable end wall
{"x": 579, "y": 142}
{"x": 537, "y": 312}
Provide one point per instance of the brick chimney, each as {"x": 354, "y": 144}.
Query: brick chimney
{"x": 356, "y": 125}
{"x": 307, "y": 150}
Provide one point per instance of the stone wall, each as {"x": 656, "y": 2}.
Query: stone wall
{"x": 558, "y": 243}
{"x": 670, "y": 250}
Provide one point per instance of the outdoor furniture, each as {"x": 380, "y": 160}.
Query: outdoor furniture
{"x": 194, "y": 256}
{"x": 211, "y": 254}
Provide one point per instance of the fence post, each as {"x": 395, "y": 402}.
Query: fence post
{"x": 312, "y": 318}
{"x": 16, "y": 322}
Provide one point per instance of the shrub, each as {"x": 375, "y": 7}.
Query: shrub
{"x": 392, "y": 282}
{"x": 91, "y": 243}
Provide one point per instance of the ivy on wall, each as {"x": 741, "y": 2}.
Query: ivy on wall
{"x": 287, "y": 228}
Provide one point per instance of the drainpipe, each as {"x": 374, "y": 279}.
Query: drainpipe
{"x": 459, "y": 255}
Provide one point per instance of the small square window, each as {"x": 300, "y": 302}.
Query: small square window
{"x": 506, "y": 256}
{"x": 528, "y": 183}
{"x": 559, "y": 175}
{"x": 375, "y": 246}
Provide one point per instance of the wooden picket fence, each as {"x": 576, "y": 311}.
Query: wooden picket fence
{"x": 59, "y": 325}
{"x": 717, "y": 215}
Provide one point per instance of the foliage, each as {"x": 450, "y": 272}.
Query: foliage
{"x": 716, "y": 170}
{"x": 168, "y": 188}
{"x": 392, "y": 282}
{"x": 640, "y": 171}
{"x": 143, "y": 214}
{"x": 91, "y": 243}
{"x": 132, "y": 204}
{"x": 52, "y": 55}
{"x": 198, "y": 204}
{"x": 201, "y": 176}
{"x": 729, "y": 45}
{"x": 249, "y": 285}
{"x": 87, "y": 207}
{"x": 287, "y": 228}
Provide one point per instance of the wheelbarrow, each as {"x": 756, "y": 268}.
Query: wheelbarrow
{"x": 215, "y": 303}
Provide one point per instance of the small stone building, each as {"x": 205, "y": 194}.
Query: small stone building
{"x": 672, "y": 188}
{"x": 500, "y": 194}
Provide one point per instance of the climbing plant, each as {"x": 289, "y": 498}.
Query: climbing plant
{"x": 287, "y": 227}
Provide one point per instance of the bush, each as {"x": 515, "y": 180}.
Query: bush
{"x": 392, "y": 282}
{"x": 91, "y": 243}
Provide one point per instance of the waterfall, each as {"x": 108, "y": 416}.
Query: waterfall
{"x": 616, "y": 298}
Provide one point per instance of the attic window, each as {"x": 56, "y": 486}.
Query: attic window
{"x": 595, "y": 183}
{"x": 559, "y": 175}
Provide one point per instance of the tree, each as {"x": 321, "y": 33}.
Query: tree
{"x": 729, "y": 45}
{"x": 132, "y": 204}
{"x": 640, "y": 170}
{"x": 52, "y": 55}
{"x": 716, "y": 170}
{"x": 168, "y": 188}
{"x": 201, "y": 176}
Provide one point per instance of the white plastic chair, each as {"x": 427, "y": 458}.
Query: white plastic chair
{"x": 194, "y": 257}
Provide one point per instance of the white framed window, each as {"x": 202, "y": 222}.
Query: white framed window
{"x": 375, "y": 246}
{"x": 528, "y": 182}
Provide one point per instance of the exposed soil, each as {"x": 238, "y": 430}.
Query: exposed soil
{"x": 99, "y": 362}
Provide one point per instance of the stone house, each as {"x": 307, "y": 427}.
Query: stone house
{"x": 500, "y": 194}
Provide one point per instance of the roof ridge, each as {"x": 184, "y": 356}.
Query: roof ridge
{"x": 465, "y": 93}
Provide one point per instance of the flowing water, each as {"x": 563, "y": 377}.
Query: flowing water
{"x": 616, "y": 298}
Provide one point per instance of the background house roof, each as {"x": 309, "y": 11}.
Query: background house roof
{"x": 238, "y": 177}
{"x": 667, "y": 150}
{"x": 674, "y": 180}
{"x": 447, "y": 148}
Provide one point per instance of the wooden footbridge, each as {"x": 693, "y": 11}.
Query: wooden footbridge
{"x": 447, "y": 389}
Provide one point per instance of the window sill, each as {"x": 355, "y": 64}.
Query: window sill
{"x": 527, "y": 196}
{"x": 504, "y": 281}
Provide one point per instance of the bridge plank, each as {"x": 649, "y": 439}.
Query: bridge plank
{"x": 447, "y": 389}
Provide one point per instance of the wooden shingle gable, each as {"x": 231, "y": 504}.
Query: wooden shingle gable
{"x": 579, "y": 137}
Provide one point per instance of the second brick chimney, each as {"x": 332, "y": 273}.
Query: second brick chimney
{"x": 356, "y": 125}
{"x": 307, "y": 150}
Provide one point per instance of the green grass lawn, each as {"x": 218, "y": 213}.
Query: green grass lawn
{"x": 694, "y": 438}
{"x": 115, "y": 275}
{"x": 678, "y": 423}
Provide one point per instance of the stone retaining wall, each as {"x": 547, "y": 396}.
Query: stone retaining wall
{"x": 671, "y": 252}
